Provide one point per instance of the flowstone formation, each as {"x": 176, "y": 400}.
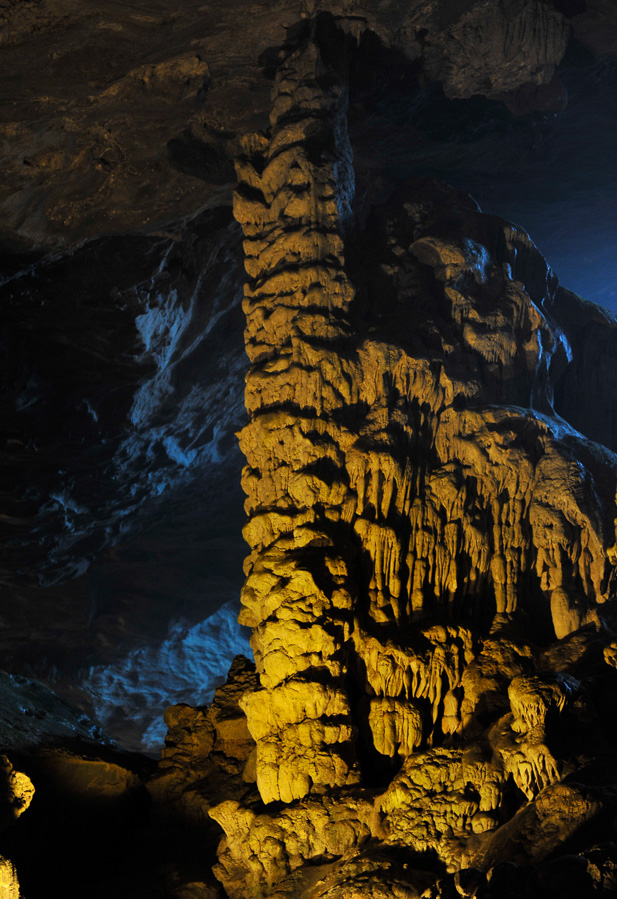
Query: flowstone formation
{"x": 431, "y": 555}
{"x": 429, "y": 439}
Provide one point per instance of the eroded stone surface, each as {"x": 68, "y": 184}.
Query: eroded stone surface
{"x": 9, "y": 884}
{"x": 432, "y": 548}
{"x": 209, "y": 753}
{"x": 420, "y": 522}
{"x": 143, "y": 107}
{"x": 16, "y": 792}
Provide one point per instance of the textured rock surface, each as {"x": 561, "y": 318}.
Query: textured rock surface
{"x": 411, "y": 456}
{"x": 209, "y": 752}
{"x": 142, "y": 106}
{"x": 415, "y": 506}
{"x": 9, "y": 884}
{"x": 123, "y": 358}
{"x": 123, "y": 367}
{"x": 298, "y": 596}
{"x": 430, "y": 479}
{"x": 16, "y": 792}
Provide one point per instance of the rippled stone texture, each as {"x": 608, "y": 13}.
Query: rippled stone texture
{"x": 420, "y": 520}
{"x": 298, "y": 595}
{"x": 432, "y": 558}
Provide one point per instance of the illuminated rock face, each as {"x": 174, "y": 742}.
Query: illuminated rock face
{"x": 209, "y": 754}
{"x": 124, "y": 359}
{"x": 16, "y": 793}
{"x": 432, "y": 549}
{"x": 9, "y": 885}
{"x": 299, "y": 593}
{"x": 420, "y": 520}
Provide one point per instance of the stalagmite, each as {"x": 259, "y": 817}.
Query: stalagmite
{"x": 428, "y": 429}
{"x": 292, "y": 202}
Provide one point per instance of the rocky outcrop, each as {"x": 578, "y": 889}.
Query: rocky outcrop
{"x": 298, "y": 598}
{"x": 209, "y": 754}
{"x": 512, "y": 796}
{"x": 9, "y": 884}
{"x": 122, "y": 388}
{"x": 143, "y": 109}
{"x": 469, "y": 46}
{"x": 583, "y": 393}
{"x": 16, "y": 792}
{"x": 123, "y": 374}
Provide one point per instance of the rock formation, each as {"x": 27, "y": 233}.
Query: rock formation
{"x": 420, "y": 518}
{"x": 298, "y": 597}
{"x": 143, "y": 108}
{"x": 123, "y": 360}
{"x": 209, "y": 754}
{"x": 430, "y": 477}
{"x": 9, "y": 885}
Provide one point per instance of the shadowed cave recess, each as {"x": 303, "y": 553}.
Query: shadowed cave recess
{"x": 309, "y": 478}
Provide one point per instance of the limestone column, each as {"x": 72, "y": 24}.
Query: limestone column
{"x": 294, "y": 191}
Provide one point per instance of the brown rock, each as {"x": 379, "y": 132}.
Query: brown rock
{"x": 460, "y": 43}
{"x": 209, "y": 752}
{"x": 192, "y": 80}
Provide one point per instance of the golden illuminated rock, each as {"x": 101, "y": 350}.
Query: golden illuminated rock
{"x": 260, "y": 849}
{"x": 432, "y": 561}
{"x": 209, "y": 753}
{"x": 420, "y": 524}
{"x": 16, "y": 795}
{"x": 292, "y": 204}
{"x": 440, "y": 797}
{"x": 9, "y": 884}
{"x": 16, "y": 792}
